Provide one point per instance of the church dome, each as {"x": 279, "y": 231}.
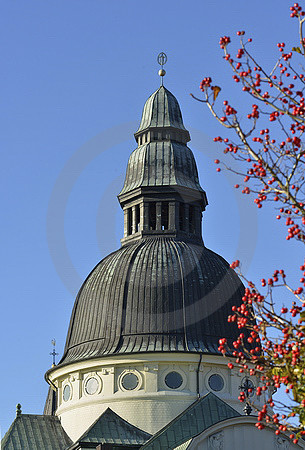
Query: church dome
{"x": 163, "y": 290}
{"x": 155, "y": 295}
{"x": 146, "y": 323}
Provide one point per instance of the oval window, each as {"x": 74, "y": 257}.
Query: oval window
{"x": 130, "y": 381}
{"x": 91, "y": 386}
{"x": 216, "y": 382}
{"x": 173, "y": 380}
{"x": 66, "y": 393}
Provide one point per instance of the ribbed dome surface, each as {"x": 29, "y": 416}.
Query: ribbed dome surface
{"x": 161, "y": 110}
{"x": 161, "y": 164}
{"x": 155, "y": 295}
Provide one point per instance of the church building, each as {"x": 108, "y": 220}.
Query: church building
{"x": 141, "y": 367}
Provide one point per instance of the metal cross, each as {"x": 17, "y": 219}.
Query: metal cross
{"x": 162, "y": 58}
{"x": 247, "y": 387}
{"x": 53, "y": 353}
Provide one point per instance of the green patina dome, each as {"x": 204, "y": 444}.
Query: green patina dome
{"x": 161, "y": 110}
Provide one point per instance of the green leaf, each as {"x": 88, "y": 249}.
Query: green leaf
{"x": 302, "y": 416}
{"x": 277, "y": 371}
{"x": 296, "y": 49}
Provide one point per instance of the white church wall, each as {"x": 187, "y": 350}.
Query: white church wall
{"x": 241, "y": 434}
{"x": 86, "y": 389}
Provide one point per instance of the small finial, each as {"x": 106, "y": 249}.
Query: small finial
{"x": 53, "y": 353}
{"x": 162, "y": 58}
{"x": 18, "y": 410}
{"x": 247, "y": 409}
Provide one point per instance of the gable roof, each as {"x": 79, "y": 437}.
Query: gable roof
{"x": 202, "y": 414}
{"x": 35, "y": 432}
{"x": 110, "y": 428}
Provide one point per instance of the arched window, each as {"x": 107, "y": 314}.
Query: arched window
{"x": 129, "y": 221}
{"x": 164, "y": 216}
{"x": 137, "y": 213}
{"x": 181, "y": 216}
{"x": 192, "y": 219}
{"x": 152, "y": 216}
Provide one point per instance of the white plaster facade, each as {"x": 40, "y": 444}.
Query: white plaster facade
{"x": 241, "y": 434}
{"x": 152, "y": 404}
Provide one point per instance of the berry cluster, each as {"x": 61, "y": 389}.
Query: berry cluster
{"x": 296, "y": 10}
{"x": 206, "y": 82}
{"x": 224, "y": 41}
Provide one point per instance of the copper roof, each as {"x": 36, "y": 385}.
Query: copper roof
{"x": 36, "y": 432}
{"x": 161, "y": 110}
{"x": 161, "y": 164}
{"x": 158, "y": 294}
{"x": 113, "y": 430}
{"x": 198, "y": 417}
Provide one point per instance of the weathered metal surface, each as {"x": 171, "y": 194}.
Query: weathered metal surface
{"x": 156, "y": 295}
{"x": 112, "y": 429}
{"x": 161, "y": 164}
{"x": 51, "y": 403}
{"x": 36, "y": 432}
{"x": 161, "y": 110}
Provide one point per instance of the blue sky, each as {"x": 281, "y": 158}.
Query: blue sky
{"x": 74, "y": 79}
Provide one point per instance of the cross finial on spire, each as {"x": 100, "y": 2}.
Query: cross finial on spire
{"x": 162, "y": 59}
{"x": 53, "y": 353}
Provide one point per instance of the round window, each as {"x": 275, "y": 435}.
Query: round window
{"x": 173, "y": 380}
{"x": 130, "y": 381}
{"x": 216, "y": 382}
{"x": 91, "y": 386}
{"x": 66, "y": 393}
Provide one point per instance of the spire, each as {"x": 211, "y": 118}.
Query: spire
{"x": 162, "y": 195}
{"x": 162, "y": 110}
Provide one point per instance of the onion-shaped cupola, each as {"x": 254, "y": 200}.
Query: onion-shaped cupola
{"x": 162, "y": 194}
